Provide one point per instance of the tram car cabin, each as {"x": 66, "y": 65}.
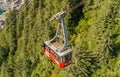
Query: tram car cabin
{"x": 62, "y": 59}
{"x": 58, "y": 51}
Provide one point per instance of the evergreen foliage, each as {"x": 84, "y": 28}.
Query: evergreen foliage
{"x": 94, "y": 37}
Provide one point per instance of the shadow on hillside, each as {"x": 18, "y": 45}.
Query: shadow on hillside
{"x": 76, "y": 15}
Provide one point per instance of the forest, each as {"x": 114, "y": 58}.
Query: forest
{"x": 94, "y": 37}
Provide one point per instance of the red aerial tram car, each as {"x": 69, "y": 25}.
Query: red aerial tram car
{"x": 57, "y": 48}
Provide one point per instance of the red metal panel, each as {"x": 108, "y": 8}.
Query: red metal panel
{"x": 52, "y": 57}
{"x": 62, "y": 65}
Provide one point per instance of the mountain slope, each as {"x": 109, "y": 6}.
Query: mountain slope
{"x": 94, "y": 37}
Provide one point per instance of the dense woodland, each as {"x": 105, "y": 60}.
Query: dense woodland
{"x": 94, "y": 36}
